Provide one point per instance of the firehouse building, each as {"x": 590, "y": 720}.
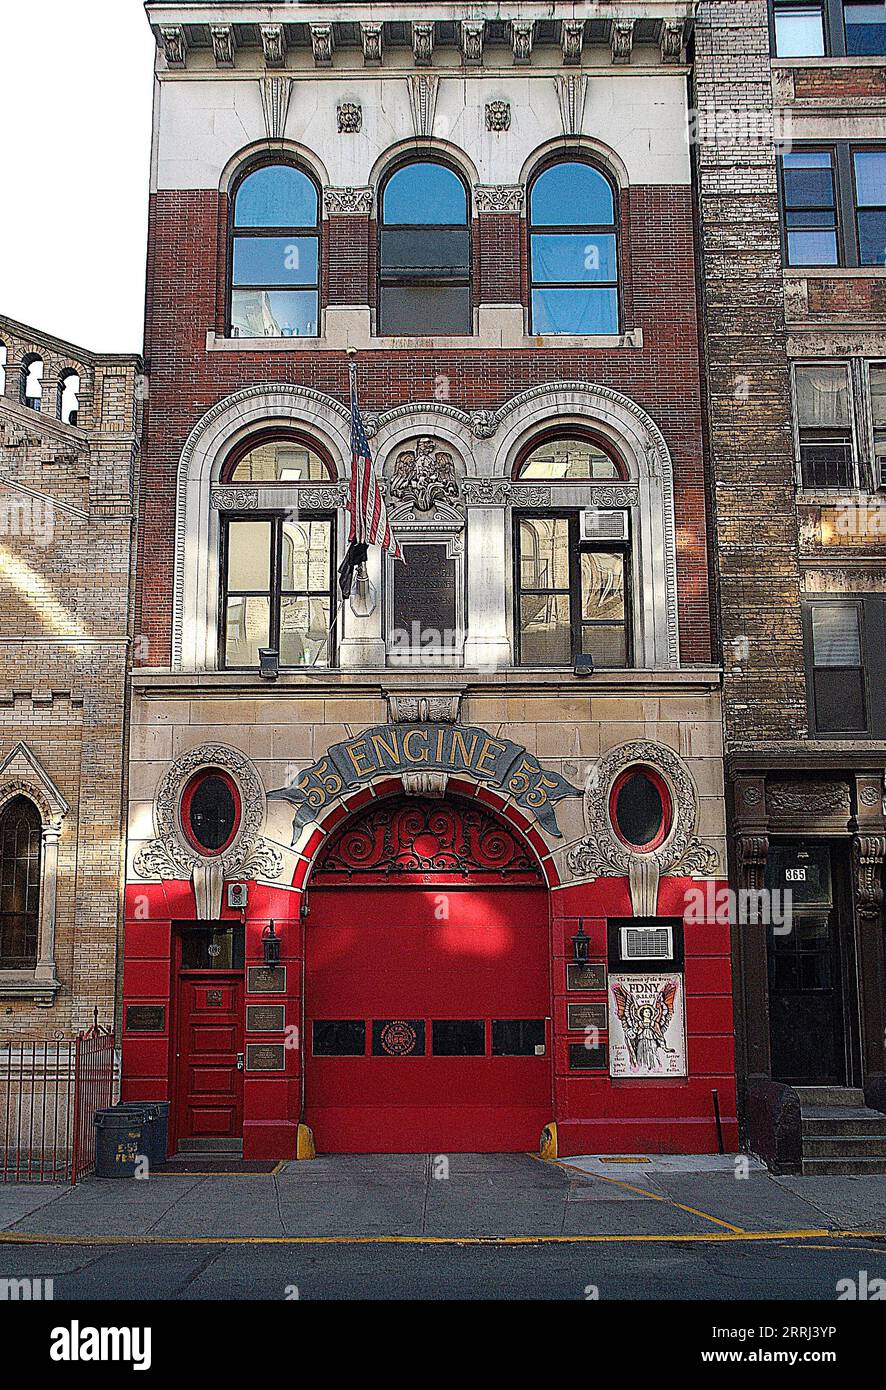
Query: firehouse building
{"x": 432, "y": 869}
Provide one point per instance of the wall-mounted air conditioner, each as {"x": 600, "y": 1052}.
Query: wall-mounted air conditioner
{"x": 604, "y": 524}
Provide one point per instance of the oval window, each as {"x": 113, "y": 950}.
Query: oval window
{"x": 640, "y": 808}
{"x": 210, "y": 813}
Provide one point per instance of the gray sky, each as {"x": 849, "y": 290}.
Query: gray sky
{"x": 76, "y": 80}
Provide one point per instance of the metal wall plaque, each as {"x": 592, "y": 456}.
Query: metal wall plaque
{"x": 588, "y": 975}
{"x": 260, "y": 979}
{"x": 583, "y": 1058}
{"x": 580, "y": 1016}
{"x": 145, "y": 1018}
{"x": 265, "y": 1018}
{"x": 265, "y": 1057}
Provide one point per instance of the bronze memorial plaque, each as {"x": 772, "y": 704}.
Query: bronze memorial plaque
{"x": 145, "y": 1018}
{"x": 580, "y": 1016}
{"x": 261, "y": 979}
{"x": 587, "y": 975}
{"x": 265, "y": 1057}
{"x": 265, "y": 1018}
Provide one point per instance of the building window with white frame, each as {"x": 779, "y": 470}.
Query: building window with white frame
{"x": 824, "y": 419}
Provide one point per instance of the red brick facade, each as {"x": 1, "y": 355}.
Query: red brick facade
{"x": 186, "y": 278}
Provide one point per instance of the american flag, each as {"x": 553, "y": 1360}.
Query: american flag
{"x": 366, "y": 505}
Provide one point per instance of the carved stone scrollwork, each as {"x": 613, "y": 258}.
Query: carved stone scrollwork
{"x": 322, "y": 44}
{"x": 472, "y": 31}
{"x": 869, "y": 854}
{"x": 484, "y": 423}
{"x": 350, "y": 117}
{"x": 348, "y": 202}
{"x": 572, "y": 91}
{"x": 424, "y": 476}
{"x": 171, "y": 855}
{"x": 499, "y": 492}
{"x": 621, "y": 40}
{"x": 422, "y": 44}
{"x": 521, "y": 40}
{"x": 498, "y": 115}
{"x": 572, "y": 32}
{"x": 752, "y": 854}
{"x": 239, "y": 499}
{"x": 276, "y": 94}
{"x": 430, "y": 784}
{"x": 604, "y": 854}
{"x": 423, "y": 102}
{"x": 175, "y": 45}
{"x": 273, "y": 42}
{"x": 371, "y": 39}
{"x": 424, "y": 709}
{"x": 672, "y": 37}
{"x": 499, "y": 197}
{"x": 223, "y": 44}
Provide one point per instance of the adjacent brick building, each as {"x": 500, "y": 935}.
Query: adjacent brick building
{"x": 791, "y": 167}
{"x": 69, "y": 431}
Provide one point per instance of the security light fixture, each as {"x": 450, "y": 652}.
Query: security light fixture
{"x": 271, "y": 947}
{"x": 583, "y": 664}
{"x": 580, "y": 944}
{"x": 268, "y": 663}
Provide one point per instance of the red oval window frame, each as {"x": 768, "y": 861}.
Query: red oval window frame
{"x": 667, "y": 804}
{"x": 184, "y": 812}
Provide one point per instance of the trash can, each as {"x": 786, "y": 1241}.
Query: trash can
{"x": 119, "y": 1141}
{"x": 149, "y": 1113}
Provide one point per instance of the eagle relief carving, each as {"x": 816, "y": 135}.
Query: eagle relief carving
{"x": 424, "y": 475}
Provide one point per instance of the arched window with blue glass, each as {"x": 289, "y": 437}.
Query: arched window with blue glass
{"x": 275, "y": 254}
{"x": 573, "y": 251}
{"x": 425, "y": 252}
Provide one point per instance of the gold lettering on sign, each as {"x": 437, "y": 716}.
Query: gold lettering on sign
{"x": 459, "y": 746}
{"x": 392, "y": 749}
{"x": 407, "y": 752}
{"x": 490, "y": 746}
{"x": 357, "y": 750}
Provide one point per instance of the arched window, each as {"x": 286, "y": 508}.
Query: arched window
{"x": 69, "y": 397}
{"x": 20, "y": 842}
{"x": 568, "y": 458}
{"x": 275, "y": 255}
{"x": 2, "y": 369}
{"x": 573, "y": 253}
{"x": 278, "y": 459}
{"x": 425, "y": 252}
{"x": 32, "y": 381}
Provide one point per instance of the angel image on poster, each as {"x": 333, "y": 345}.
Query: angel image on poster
{"x": 647, "y": 1030}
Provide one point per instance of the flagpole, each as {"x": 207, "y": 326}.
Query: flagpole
{"x": 351, "y": 353}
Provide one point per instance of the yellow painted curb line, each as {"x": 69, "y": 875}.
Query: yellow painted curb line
{"x": 705, "y": 1237}
{"x": 654, "y": 1196}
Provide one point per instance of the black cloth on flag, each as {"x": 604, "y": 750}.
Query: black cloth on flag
{"x": 356, "y": 554}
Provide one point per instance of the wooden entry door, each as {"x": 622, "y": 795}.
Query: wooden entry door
{"x": 209, "y": 1101}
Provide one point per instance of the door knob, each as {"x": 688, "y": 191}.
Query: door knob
{"x": 239, "y": 1061}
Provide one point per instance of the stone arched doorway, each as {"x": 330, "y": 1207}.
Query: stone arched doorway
{"x": 427, "y": 984}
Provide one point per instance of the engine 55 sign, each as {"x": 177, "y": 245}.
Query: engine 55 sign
{"x": 452, "y": 748}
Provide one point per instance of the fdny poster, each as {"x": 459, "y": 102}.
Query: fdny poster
{"x": 647, "y": 1028}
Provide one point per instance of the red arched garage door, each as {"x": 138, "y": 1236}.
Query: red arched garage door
{"x": 427, "y": 995}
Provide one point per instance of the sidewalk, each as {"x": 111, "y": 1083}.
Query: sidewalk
{"x": 498, "y": 1196}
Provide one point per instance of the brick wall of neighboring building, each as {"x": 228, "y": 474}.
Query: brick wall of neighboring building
{"x": 749, "y": 415}
{"x": 66, "y": 527}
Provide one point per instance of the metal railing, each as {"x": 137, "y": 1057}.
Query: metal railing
{"x": 49, "y": 1092}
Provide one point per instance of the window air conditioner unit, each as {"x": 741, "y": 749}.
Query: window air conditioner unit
{"x": 598, "y": 524}
{"x": 647, "y": 943}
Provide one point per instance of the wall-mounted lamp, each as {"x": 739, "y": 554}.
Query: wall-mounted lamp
{"x": 583, "y": 665}
{"x": 580, "y": 944}
{"x": 271, "y": 946}
{"x": 268, "y": 663}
